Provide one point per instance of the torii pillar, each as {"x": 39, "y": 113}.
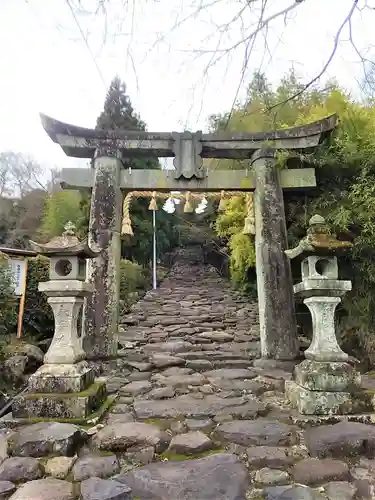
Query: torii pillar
{"x": 277, "y": 319}
{"x": 101, "y": 315}
{"x": 108, "y": 178}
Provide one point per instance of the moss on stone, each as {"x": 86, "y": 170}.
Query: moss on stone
{"x": 163, "y": 424}
{"x": 92, "y": 390}
{"x": 82, "y": 422}
{"x": 178, "y": 457}
{"x": 104, "y": 453}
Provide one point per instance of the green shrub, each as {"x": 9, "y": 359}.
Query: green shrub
{"x": 133, "y": 280}
{"x": 38, "y": 317}
{"x": 8, "y": 301}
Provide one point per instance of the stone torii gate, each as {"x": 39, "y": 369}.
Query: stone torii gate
{"x": 107, "y": 179}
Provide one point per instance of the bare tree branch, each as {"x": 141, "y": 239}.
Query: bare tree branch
{"x": 326, "y": 65}
{"x": 248, "y": 52}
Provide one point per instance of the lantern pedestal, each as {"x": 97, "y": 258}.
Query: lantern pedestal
{"x": 326, "y": 388}
{"x": 62, "y": 378}
{"x": 64, "y": 387}
{"x": 81, "y": 405}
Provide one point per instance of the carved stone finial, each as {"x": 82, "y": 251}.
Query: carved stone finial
{"x": 316, "y": 219}
{"x": 70, "y": 229}
{"x": 318, "y": 225}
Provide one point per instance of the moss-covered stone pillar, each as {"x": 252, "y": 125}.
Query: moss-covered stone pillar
{"x": 278, "y": 330}
{"x": 102, "y": 308}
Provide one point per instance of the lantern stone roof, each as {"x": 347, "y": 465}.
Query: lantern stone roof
{"x": 67, "y": 244}
{"x": 319, "y": 241}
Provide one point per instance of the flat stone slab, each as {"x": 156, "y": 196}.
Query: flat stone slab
{"x": 256, "y": 432}
{"x": 315, "y": 471}
{"x": 95, "y": 466}
{"x": 341, "y": 440}
{"x": 291, "y": 493}
{"x": 198, "y": 424}
{"x": 121, "y": 436}
{"x": 136, "y": 388}
{"x": 177, "y": 370}
{"x": 251, "y": 386}
{"x": 190, "y": 443}
{"x": 168, "y": 347}
{"x": 182, "y": 380}
{"x": 267, "y": 476}
{"x": 184, "y": 406}
{"x": 119, "y": 418}
{"x": 101, "y": 489}
{"x": 165, "y": 361}
{"x": 162, "y": 393}
{"x": 59, "y": 467}
{"x": 215, "y": 336}
{"x": 17, "y": 469}
{"x": 46, "y": 438}
{"x": 217, "y": 477}
{"x": 274, "y": 457}
{"x": 139, "y": 376}
{"x": 231, "y": 373}
{"x": 253, "y": 408}
{"x": 44, "y": 489}
{"x": 340, "y": 490}
{"x": 199, "y": 364}
{"x": 139, "y": 365}
{"x": 6, "y": 489}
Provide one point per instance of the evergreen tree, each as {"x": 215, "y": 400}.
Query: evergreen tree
{"x": 118, "y": 113}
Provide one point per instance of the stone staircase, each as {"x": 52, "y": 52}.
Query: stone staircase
{"x": 197, "y": 416}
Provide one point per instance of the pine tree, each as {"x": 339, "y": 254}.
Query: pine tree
{"x": 118, "y": 113}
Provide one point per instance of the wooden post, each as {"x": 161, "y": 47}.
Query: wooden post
{"x": 22, "y": 302}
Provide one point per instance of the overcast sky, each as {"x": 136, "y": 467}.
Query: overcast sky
{"x": 46, "y": 66}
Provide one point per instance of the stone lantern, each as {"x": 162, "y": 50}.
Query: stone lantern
{"x": 324, "y": 383}
{"x": 63, "y": 387}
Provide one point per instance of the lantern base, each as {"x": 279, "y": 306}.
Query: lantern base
{"x": 51, "y": 378}
{"x": 308, "y": 402}
{"x": 330, "y": 376}
{"x": 69, "y": 405}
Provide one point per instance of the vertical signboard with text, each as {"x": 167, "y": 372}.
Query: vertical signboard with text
{"x": 19, "y": 271}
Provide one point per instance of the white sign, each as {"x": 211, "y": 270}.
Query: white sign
{"x": 18, "y": 267}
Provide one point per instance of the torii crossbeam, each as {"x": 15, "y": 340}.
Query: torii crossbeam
{"x": 108, "y": 178}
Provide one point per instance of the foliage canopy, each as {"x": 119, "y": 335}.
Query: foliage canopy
{"x": 345, "y": 196}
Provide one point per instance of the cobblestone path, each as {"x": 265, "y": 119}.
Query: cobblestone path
{"x": 197, "y": 416}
